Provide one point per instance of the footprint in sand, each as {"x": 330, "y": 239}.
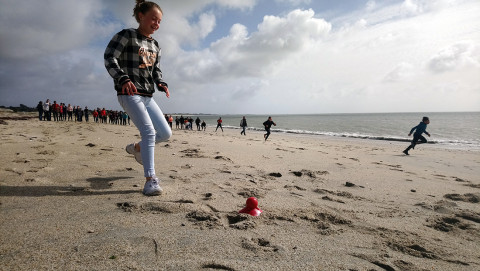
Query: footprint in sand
{"x": 342, "y": 194}
{"x": 204, "y": 219}
{"x": 127, "y": 206}
{"x": 219, "y": 157}
{"x": 469, "y": 197}
{"x": 451, "y": 223}
{"x": 260, "y": 244}
{"x": 410, "y": 248}
{"x": 290, "y": 187}
{"x": 21, "y": 161}
{"x": 192, "y": 153}
{"x": 460, "y": 180}
{"x": 187, "y": 166}
{"x": 46, "y": 152}
{"x": 332, "y": 199}
{"x": 240, "y": 222}
{"x": 414, "y": 245}
{"x": 309, "y": 173}
{"x": 325, "y": 222}
{"x": 473, "y": 185}
{"x": 442, "y": 207}
{"x": 374, "y": 260}
{"x": 247, "y": 193}
{"x": 279, "y": 149}
{"x": 217, "y": 266}
{"x": 156, "y": 207}
{"x": 13, "y": 170}
{"x": 468, "y": 215}
{"x": 440, "y": 176}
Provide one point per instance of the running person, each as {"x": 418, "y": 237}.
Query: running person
{"x": 132, "y": 59}
{"x": 268, "y": 124}
{"x": 419, "y": 130}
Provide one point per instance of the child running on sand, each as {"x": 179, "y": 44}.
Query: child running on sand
{"x": 268, "y": 124}
{"x": 420, "y": 129}
{"x": 132, "y": 59}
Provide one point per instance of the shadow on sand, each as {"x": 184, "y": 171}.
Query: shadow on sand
{"x": 98, "y": 186}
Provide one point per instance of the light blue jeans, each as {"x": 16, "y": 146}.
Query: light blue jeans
{"x": 150, "y": 121}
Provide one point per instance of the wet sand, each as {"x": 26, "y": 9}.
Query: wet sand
{"x": 70, "y": 199}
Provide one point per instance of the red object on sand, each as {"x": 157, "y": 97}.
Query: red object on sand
{"x": 251, "y": 208}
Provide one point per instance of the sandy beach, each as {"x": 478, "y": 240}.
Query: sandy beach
{"x": 70, "y": 199}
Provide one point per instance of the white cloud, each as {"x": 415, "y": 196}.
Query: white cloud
{"x": 458, "y": 55}
{"x": 38, "y": 28}
{"x": 371, "y": 5}
{"x": 182, "y": 32}
{"x": 241, "y": 54}
{"x": 364, "y": 67}
{"x": 294, "y": 2}
{"x": 236, "y": 4}
{"x": 412, "y": 7}
{"x": 401, "y": 72}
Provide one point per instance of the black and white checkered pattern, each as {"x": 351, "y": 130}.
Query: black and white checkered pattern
{"x": 130, "y": 56}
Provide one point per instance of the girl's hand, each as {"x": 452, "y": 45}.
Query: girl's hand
{"x": 129, "y": 88}
{"x": 165, "y": 88}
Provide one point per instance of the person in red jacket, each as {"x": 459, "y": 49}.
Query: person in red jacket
{"x": 103, "y": 115}
{"x": 60, "y": 111}
{"x": 55, "y": 110}
{"x": 95, "y": 115}
{"x": 219, "y": 124}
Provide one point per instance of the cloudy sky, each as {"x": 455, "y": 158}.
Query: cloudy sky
{"x": 254, "y": 56}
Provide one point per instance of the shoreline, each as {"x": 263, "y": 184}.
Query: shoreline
{"x": 403, "y": 142}
{"x": 455, "y": 145}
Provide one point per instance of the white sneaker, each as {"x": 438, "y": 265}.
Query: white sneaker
{"x": 152, "y": 188}
{"x": 130, "y": 148}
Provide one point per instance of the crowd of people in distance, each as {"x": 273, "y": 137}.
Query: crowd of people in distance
{"x": 48, "y": 111}
{"x": 186, "y": 123}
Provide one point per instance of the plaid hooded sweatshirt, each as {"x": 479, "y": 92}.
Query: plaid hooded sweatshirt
{"x": 130, "y": 56}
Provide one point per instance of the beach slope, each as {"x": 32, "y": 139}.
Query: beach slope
{"x": 70, "y": 199}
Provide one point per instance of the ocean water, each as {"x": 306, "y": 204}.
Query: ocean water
{"x": 458, "y": 130}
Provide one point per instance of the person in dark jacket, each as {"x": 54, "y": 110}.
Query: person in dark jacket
{"x": 87, "y": 112}
{"x": 40, "y": 110}
{"x": 197, "y": 122}
{"x": 419, "y": 130}
{"x": 243, "y": 124}
{"x": 268, "y": 124}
